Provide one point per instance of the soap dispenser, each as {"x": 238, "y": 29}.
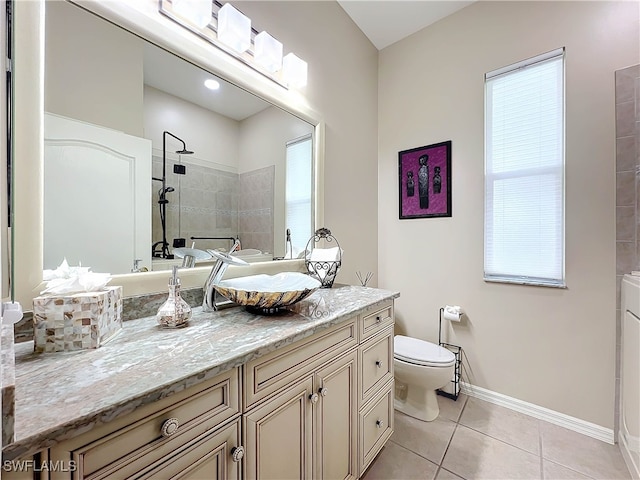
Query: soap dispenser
{"x": 175, "y": 312}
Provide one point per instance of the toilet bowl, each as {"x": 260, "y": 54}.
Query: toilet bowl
{"x": 420, "y": 369}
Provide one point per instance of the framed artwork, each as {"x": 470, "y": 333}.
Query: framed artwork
{"x": 424, "y": 174}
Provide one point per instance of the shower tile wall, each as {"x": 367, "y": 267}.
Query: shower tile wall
{"x": 208, "y": 202}
{"x": 627, "y": 189}
{"x": 255, "y": 208}
{"x": 204, "y": 204}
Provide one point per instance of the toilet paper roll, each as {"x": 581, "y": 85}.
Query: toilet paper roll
{"x": 452, "y": 313}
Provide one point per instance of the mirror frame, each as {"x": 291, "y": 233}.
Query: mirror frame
{"x": 143, "y": 19}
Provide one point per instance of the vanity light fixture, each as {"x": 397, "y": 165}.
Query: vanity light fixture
{"x": 268, "y": 52}
{"x": 212, "y": 84}
{"x": 197, "y": 12}
{"x": 294, "y": 70}
{"x": 234, "y": 28}
{"x": 230, "y": 30}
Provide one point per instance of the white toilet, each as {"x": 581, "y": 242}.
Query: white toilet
{"x": 420, "y": 369}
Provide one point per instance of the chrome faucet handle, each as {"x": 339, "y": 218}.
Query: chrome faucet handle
{"x": 236, "y": 244}
{"x": 209, "y": 302}
{"x": 136, "y": 265}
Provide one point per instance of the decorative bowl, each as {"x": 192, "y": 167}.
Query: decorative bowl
{"x": 268, "y": 293}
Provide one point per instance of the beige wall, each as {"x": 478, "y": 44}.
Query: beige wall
{"x": 552, "y": 347}
{"x": 211, "y": 136}
{"x": 98, "y": 80}
{"x": 263, "y": 142}
{"x": 342, "y": 87}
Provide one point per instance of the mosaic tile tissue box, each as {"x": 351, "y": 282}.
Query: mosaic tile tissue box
{"x": 76, "y": 321}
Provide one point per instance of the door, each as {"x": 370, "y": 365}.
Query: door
{"x": 83, "y": 161}
{"x": 278, "y": 435}
{"x": 336, "y": 417}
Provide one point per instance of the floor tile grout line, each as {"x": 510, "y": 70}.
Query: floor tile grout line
{"x": 447, "y": 447}
{"x": 415, "y": 453}
{"x": 499, "y": 440}
{"x": 457, "y": 424}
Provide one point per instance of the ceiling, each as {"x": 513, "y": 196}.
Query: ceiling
{"x": 172, "y": 74}
{"x": 386, "y": 21}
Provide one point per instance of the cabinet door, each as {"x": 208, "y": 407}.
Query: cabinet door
{"x": 278, "y": 435}
{"x": 214, "y": 457}
{"x": 336, "y": 419}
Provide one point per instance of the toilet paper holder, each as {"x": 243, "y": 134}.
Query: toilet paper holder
{"x": 457, "y": 351}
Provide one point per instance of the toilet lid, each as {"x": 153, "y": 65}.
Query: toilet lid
{"x": 419, "y": 352}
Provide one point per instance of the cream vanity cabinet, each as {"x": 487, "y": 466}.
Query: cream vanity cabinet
{"x": 317, "y": 408}
{"x": 192, "y": 434}
{"x": 308, "y": 429}
{"x": 322, "y": 407}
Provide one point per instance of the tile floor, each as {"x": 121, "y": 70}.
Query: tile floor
{"x": 473, "y": 439}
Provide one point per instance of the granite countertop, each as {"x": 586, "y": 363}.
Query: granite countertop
{"x": 60, "y": 395}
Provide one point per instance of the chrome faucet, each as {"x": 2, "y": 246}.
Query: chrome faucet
{"x": 212, "y": 300}
{"x": 289, "y": 245}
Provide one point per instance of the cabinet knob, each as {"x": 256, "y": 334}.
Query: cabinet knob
{"x": 237, "y": 453}
{"x": 379, "y": 423}
{"x": 323, "y": 391}
{"x": 314, "y": 398}
{"x": 378, "y": 319}
{"x": 378, "y": 364}
{"x": 169, "y": 427}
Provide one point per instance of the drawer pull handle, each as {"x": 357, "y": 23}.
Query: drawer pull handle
{"x": 378, "y": 364}
{"x": 169, "y": 427}
{"x": 378, "y": 319}
{"x": 314, "y": 398}
{"x": 237, "y": 453}
{"x": 323, "y": 391}
{"x": 379, "y": 423}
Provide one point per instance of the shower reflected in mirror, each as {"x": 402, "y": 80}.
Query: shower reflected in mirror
{"x": 163, "y": 245}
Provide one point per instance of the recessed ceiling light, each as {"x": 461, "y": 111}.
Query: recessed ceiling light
{"x": 212, "y": 84}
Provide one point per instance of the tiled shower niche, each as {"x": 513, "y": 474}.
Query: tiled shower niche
{"x": 210, "y": 202}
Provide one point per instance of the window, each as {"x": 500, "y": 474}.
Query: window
{"x": 299, "y": 189}
{"x": 524, "y": 172}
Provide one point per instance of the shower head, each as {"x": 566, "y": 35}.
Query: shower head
{"x": 184, "y": 150}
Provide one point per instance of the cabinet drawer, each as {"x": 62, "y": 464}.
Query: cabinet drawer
{"x": 376, "y": 426}
{"x": 376, "y": 364}
{"x": 125, "y": 448}
{"x": 372, "y": 322}
{"x": 277, "y": 369}
{"x": 210, "y": 457}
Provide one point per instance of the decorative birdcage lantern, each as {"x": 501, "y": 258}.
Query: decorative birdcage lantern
{"x": 321, "y": 258}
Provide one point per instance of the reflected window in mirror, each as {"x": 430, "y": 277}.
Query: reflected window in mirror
{"x": 299, "y": 180}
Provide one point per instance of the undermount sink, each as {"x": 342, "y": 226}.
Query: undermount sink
{"x": 268, "y": 293}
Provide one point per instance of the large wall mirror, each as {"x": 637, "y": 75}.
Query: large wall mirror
{"x": 138, "y": 157}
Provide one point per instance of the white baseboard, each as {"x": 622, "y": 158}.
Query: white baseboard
{"x": 542, "y": 413}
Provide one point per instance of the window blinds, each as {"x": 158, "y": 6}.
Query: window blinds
{"x": 524, "y": 172}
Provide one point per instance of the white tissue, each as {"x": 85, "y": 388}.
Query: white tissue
{"x": 323, "y": 255}
{"x": 67, "y": 280}
{"x": 453, "y": 313}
